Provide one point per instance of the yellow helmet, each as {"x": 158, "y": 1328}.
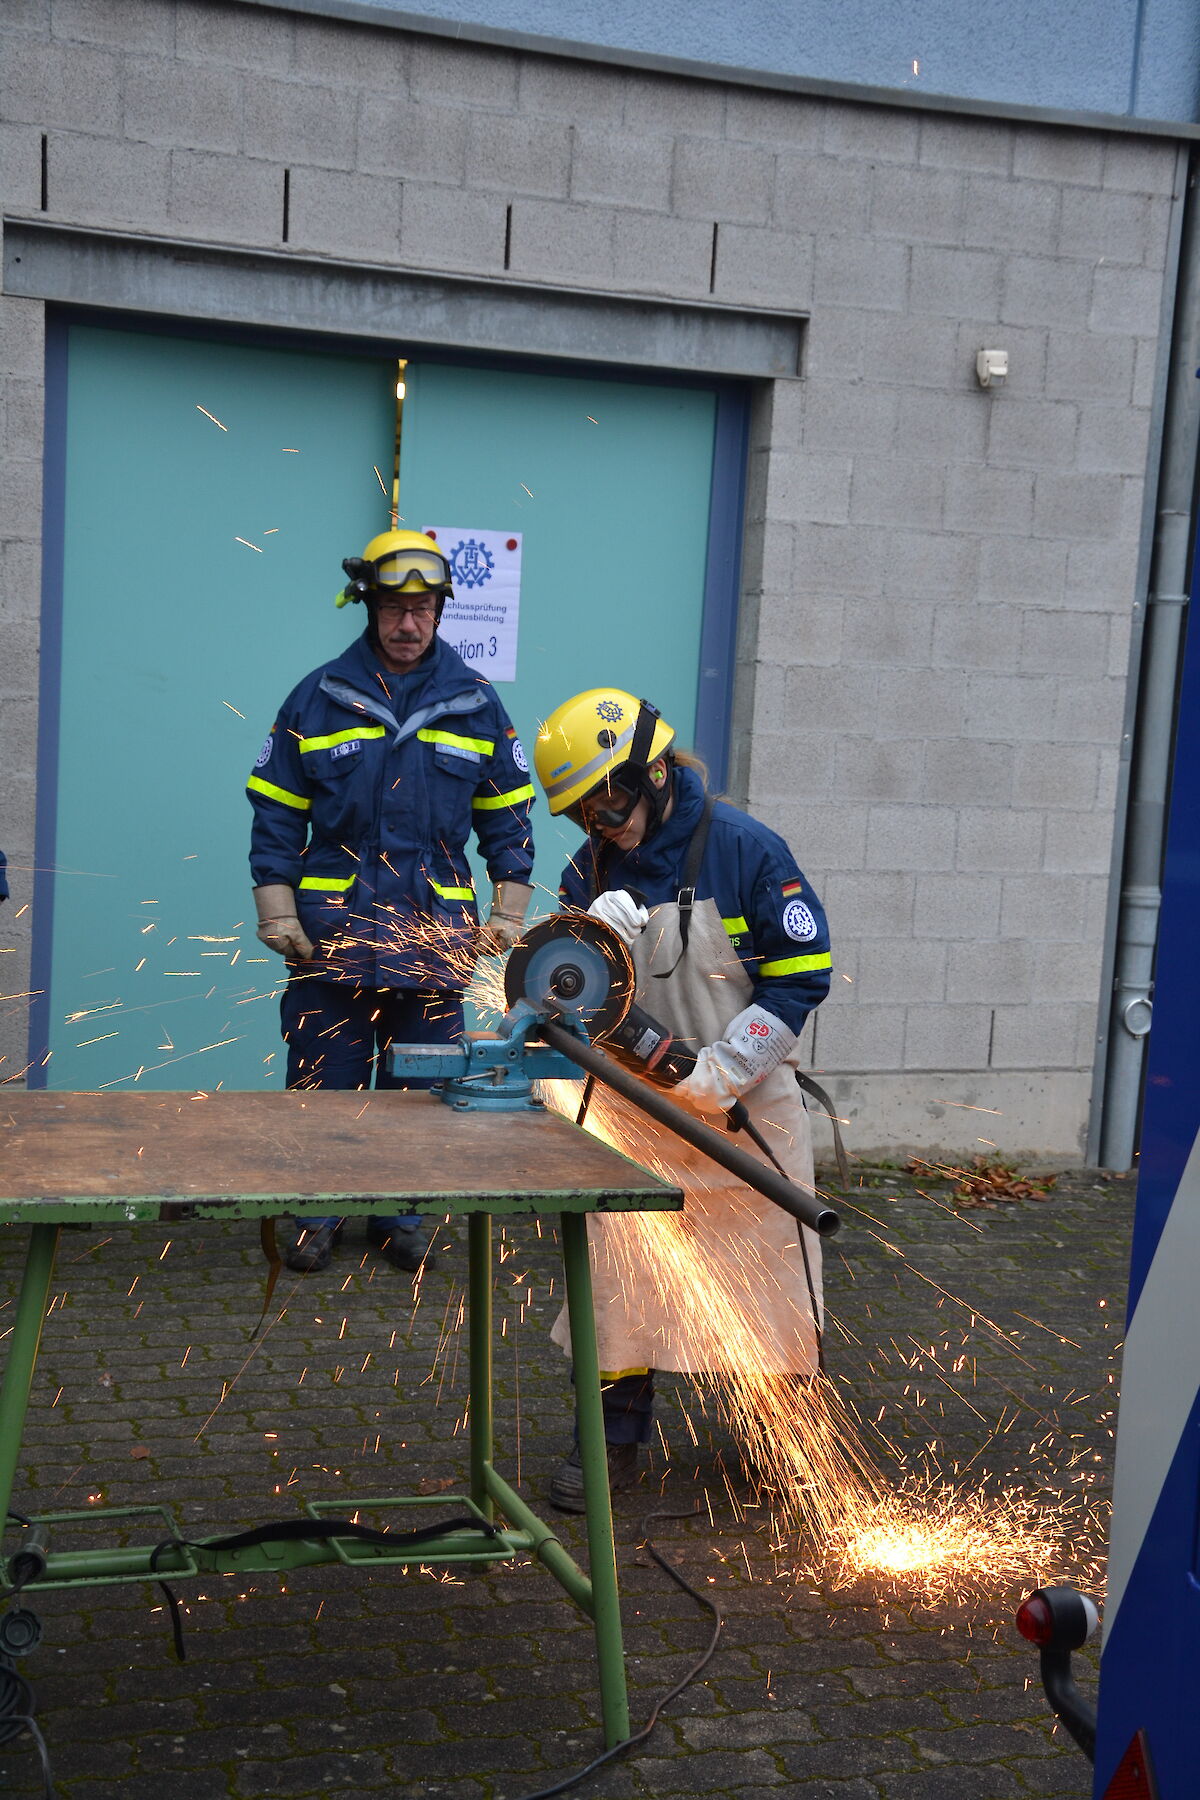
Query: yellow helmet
{"x": 600, "y": 739}
{"x": 396, "y": 562}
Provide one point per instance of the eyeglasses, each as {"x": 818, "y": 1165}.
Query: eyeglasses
{"x": 423, "y": 607}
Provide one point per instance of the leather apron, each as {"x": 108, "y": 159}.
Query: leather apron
{"x": 721, "y": 1284}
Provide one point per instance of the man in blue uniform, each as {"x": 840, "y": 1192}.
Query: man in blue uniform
{"x": 376, "y": 770}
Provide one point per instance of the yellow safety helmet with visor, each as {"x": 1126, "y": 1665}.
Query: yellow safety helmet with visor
{"x": 396, "y": 562}
{"x": 600, "y": 744}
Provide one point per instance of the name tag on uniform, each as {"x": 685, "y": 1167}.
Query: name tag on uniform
{"x": 344, "y": 749}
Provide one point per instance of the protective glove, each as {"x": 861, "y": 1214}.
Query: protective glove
{"x": 506, "y": 921}
{"x": 278, "y": 927}
{"x": 620, "y": 910}
{"x": 754, "y": 1043}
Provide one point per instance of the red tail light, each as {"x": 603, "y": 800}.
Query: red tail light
{"x": 1035, "y": 1620}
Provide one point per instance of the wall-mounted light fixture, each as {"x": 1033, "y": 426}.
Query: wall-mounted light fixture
{"x": 991, "y": 366}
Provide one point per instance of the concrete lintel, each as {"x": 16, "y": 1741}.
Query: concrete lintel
{"x": 1034, "y": 1114}
{"x": 172, "y": 277}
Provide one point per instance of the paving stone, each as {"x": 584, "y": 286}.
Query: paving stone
{"x": 484, "y": 1685}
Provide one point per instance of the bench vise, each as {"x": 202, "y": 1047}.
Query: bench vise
{"x": 495, "y": 1073}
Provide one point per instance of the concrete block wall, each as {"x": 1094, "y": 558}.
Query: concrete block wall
{"x": 938, "y": 580}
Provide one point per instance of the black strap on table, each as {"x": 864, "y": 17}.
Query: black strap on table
{"x": 321, "y": 1530}
{"x": 314, "y": 1531}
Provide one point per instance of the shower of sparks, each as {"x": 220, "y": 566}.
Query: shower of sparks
{"x": 860, "y": 1510}
{"x": 861, "y": 1514}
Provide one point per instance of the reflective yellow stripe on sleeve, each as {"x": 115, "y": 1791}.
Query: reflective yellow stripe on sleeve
{"x": 484, "y": 746}
{"x": 735, "y": 927}
{"x": 256, "y": 786}
{"x": 450, "y": 893}
{"x": 342, "y": 737}
{"x": 511, "y": 799}
{"x": 797, "y": 965}
{"x": 328, "y": 884}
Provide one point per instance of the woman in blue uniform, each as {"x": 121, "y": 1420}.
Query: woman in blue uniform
{"x": 731, "y": 951}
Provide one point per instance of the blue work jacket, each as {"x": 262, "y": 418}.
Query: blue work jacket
{"x": 364, "y": 796}
{"x": 774, "y": 921}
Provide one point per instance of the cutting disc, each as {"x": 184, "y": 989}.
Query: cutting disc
{"x": 577, "y": 965}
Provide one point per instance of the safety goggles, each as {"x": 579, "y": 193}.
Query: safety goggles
{"x": 607, "y": 807}
{"x": 399, "y": 567}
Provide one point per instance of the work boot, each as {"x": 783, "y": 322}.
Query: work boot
{"x": 313, "y": 1248}
{"x": 566, "y": 1484}
{"x": 405, "y": 1246}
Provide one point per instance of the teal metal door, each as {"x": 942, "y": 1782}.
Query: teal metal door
{"x": 206, "y": 496}
{"x": 609, "y": 483}
{"x": 201, "y": 553}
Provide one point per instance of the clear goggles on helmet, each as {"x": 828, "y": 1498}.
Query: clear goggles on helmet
{"x": 393, "y": 572}
{"x": 400, "y": 567}
{"x": 608, "y": 806}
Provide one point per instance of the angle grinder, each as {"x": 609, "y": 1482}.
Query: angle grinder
{"x": 579, "y": 965}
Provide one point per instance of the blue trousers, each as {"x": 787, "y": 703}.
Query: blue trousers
{"x": 337, "y": 1036}
{"x": 627, "y": 1402}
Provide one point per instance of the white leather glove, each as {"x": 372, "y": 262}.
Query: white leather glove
{"x": 754, "y": 1043}
{"x": 506, "y": 921}
{"x": 622, "y": 912}
{"x": 278, "y": 927}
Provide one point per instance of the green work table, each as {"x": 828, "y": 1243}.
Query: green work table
{"x": 85, "y": 1158}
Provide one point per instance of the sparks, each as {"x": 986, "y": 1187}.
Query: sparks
{"x": 917, "y": 1536}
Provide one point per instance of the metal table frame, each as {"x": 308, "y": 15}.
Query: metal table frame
{"x": 489, "y": 1493}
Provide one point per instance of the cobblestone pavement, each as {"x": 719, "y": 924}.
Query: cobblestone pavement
{"x": 388, "y": 1684}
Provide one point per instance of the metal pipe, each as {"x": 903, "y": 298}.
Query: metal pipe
{"x": 24, "y": 1338}
{"x": 479, "y": 1325}
{"x": 542, "y": 1542}
{"x": 593, "y": 1457}
{"x": 805, "y": 1207}
{"x": 1131, "y": 1003}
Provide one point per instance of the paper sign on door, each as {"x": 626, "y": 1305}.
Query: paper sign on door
{"x": 480, "y": 618}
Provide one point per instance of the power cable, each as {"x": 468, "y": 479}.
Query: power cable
{"x": 639, "y": 1737}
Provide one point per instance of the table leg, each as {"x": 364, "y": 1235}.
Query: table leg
{"x": 602, "y": 1559}
{"x": 22, "y": 1354}
{"x": 479, "y": 1325}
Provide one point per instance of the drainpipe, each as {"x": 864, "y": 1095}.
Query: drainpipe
{"x": 1132, "y": 1002}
